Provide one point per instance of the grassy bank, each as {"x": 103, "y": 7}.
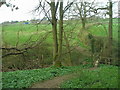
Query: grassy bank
{"x": 103, "y": 77}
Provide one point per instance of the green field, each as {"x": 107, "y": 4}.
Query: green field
{"x": 21, "y": 32}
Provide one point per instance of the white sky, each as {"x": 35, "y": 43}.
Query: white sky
{"x": 23, "y": 13}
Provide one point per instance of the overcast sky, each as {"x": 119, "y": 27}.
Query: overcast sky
{"x": 25, "y": 6}
{"x": 23, "y": 13}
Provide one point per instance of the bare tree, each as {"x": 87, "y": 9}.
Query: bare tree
{"x": 82, "y": 13}
{"x": 57, "y": 34}
{"x": 84, "y": 10}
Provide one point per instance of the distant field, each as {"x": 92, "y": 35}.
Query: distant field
{"x": 101, "y": 31}
{"x": 13, "y": 33}
{"x": 21, "y": 32}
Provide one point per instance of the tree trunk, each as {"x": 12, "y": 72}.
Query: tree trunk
{"x": 60, "y": 29}
{"x": 54, "y": 29}
{"x": 57, "y": 48}
{"x": 83, "y": 23}
{"x": 68, "y": 49}
{"x": 110, "y": 29}
{"x": 84, "y": 15}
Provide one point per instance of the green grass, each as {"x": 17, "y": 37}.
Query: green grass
{"x": 25, "y": 78}
{"x": 10, "y": 33}
{"x": 101, "y": 31}
{"x": 103, "y": 77}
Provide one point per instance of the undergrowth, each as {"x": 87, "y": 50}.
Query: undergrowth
{"x": 103, "y": 77}
{"x": 25, "y": 78}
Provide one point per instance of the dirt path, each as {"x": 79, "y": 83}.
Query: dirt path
{"x": 53, "y": 83}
